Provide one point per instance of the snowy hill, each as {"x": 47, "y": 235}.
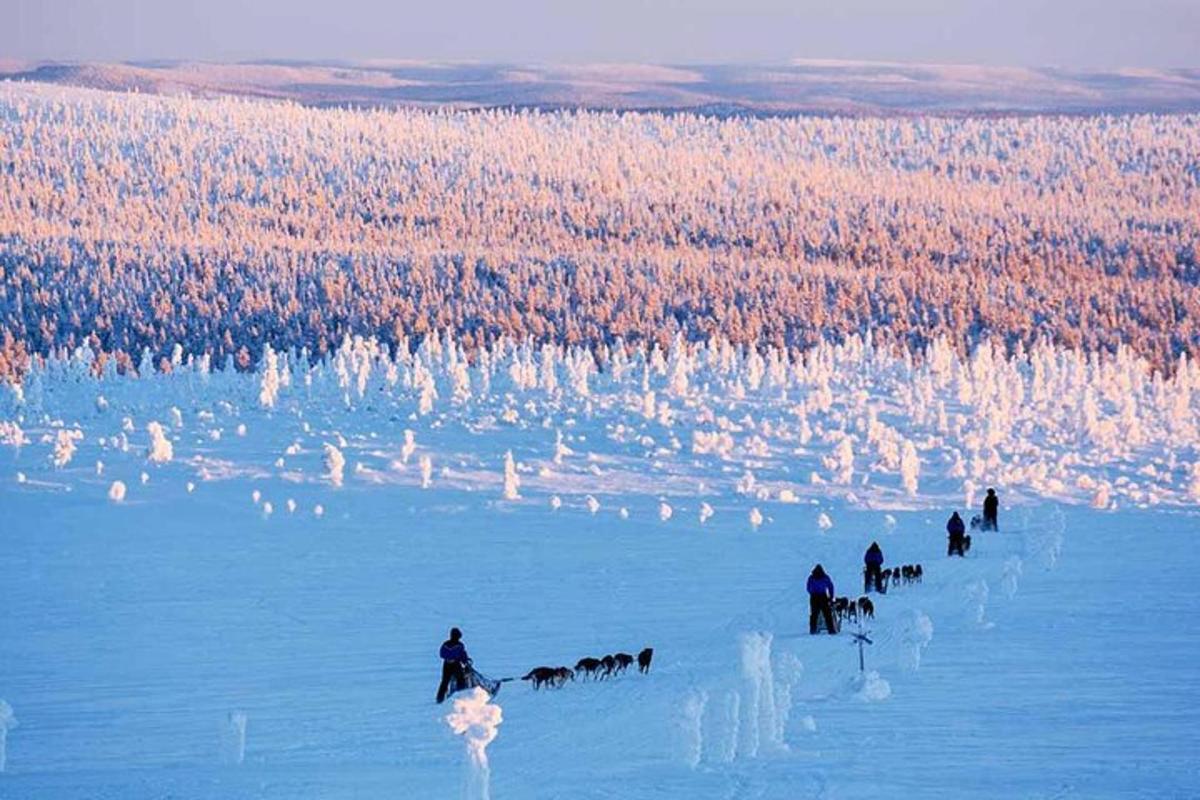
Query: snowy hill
{"x": 801, "y": 86}
{"x": 222, "y": 584}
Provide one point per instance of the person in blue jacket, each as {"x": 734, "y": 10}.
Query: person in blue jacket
{"x": 873, "y": 569}
{"x": 454, "y": 665}
{"x": 957, "y": 531}
{"x": 820, "y": 600}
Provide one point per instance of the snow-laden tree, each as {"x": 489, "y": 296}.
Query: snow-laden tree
{"x": 161, "y": 450}
{"x": 335, "y": 465}
{"x": 512, "y": 481}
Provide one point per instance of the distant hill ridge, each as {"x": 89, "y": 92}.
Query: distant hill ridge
{"x": 819, "y": 87}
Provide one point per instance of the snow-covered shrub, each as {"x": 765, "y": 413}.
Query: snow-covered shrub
{"x": 335, "y": 465}
{"x": 161, "y": 450}
{"x": 11, "y": 434}
{"x": 910, "y": 468}
{"x": 64, "y": 446}
{"x": 512, "y": 481}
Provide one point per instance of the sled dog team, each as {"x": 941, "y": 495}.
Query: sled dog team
{"x": 595, "y": 668}
{"x": 824, "y": 606}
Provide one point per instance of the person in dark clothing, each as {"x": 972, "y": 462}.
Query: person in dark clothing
{"x": 991, "y": 511}
{"x": 820, "y": 600}
{"x": 873, "y": 569}
{"x": 455, "y": 662}
{"x": 957, "y": 531}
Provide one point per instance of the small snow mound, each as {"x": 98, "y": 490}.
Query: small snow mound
{"x": 756, "y": 518}
{"x": 593, "y": 505}
{"x": 788, "y": 496}
{"x": 268, "y": 509}
{"x": 706, "y": 512}
{"x": 116, "y": 492}
{"x": 291, "y": 506}
{"x": 145, "y": 478}
{"x": 665, "y": 511}
{"x": 191, "y": 487}
{"x": 256, "y": 495}
{"x": 7, "y": 722}
{"x": 869, "y": 687}
{"x": 808, "y": 723}
{"x": 21, "y": 477}
{"x": 241, "y": 430}
{"x": 318, "y": 510}
{"x": 623, "y": 513}
{"x": 555, "y": 502}
{"x": 824, "y": 522}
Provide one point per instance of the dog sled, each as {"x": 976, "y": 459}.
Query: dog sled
{"x": 474, "y": 678}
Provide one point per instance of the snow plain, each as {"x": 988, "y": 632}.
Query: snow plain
{"x": 236, "y": 624}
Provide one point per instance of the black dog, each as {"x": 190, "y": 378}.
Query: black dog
{"x": 609, "y": 664}
{"x": 623, "y": 661}
{"x": 866, "y": 609}
{"x": 541, "y": 676}
{"x": 643, "y": 659}
{"x": 589, "y": 666}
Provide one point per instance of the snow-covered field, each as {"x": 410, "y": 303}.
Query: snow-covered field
{"x": 232, "y": 585}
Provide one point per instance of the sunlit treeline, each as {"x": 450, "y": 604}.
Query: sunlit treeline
{"x": 131, "y": 222}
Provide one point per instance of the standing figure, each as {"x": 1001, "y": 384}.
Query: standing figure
{"x": 991, "y": 511}
{"x": 820, "y": 600}
{"x": 873, "y": 569}
{"x": 454, "y": 665}
{"x": 958, "y": 540}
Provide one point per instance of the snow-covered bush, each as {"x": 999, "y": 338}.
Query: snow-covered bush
{"x": 161, "y": 450}
{"x": 512, "y": 481}
{"x": 426, "y": 472}
{"x": 64, "y": 446}
{"x": 910, "y": 468}
{"x": 11, "y": 434}
{"x": 335, "y": 465}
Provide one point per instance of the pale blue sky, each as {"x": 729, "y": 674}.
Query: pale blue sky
{"x": 1071, "y": 33}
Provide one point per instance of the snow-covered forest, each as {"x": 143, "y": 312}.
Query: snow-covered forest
{"x": 134, "y": 222}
